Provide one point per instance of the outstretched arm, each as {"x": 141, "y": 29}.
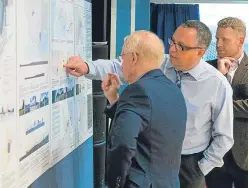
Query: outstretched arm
{"x": 95, "y": 70}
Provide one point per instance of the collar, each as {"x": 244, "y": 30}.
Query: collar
{"x": 153, "y": 73}
{"x": 140, "y": 77}
{"x": 194, "y": 72}
{"x": 241, "y": 57}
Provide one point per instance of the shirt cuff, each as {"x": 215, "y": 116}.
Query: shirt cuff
{"x": 91, "y": 67}
{"x": 205, "y": 166}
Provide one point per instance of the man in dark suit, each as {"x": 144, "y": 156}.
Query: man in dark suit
{"x": 232, "y": 62}
{"x": 149, "y": 119}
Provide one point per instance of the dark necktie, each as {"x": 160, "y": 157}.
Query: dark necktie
{"x": 179, "y": 78}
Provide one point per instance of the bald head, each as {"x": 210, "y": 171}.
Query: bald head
{"x": 142, "y": 51}
{"x": 145, "y": 43}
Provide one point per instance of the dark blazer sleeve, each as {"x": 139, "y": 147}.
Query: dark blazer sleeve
{"x": 132, "y": 116}
{"x": 110, "y": 110}
{"x": 240, "y": 106}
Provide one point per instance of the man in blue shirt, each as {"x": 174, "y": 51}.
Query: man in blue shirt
{"x": 207, "y": 93}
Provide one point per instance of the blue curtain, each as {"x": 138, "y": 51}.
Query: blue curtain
{"x": 165, "y": 18}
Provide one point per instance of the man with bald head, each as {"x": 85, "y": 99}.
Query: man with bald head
{"x": 147, "y": 131}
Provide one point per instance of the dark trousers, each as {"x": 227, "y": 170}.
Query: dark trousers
{"x": 227, "y": 175}
{"x": 190, "y": 173}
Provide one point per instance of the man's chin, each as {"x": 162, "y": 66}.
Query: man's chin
{"x": 173, "y": 61}
{"x": 221, "y": 54}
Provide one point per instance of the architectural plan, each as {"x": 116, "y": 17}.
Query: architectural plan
{"x": 44, "y": 112}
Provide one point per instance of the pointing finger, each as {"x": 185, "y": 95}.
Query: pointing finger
{"x": 73, "y": 72}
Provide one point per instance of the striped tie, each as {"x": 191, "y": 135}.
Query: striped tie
{"x": 231, "y": 70}
{"x": 179, "y": 78}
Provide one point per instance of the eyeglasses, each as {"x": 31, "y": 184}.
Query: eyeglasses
{"x": 180, "y": 47}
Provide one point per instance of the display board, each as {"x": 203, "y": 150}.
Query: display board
{"x": 44, "y": 112}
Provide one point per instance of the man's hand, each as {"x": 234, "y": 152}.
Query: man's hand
{"x": 110, "y": 86}
{"x": 224, "y": 64}
{"x": 76, "y": 66}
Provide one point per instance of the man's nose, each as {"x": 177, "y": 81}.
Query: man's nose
{"x": 172, "y": 49}
{"x": 219, "y": 43}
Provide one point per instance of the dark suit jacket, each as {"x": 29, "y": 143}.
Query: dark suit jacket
{"x": 145, "y": 139}
{"x": 240, "y": 107}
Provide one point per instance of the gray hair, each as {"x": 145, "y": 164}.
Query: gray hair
{"x": 204, "y": 35}
{"x": 235, "y": 23}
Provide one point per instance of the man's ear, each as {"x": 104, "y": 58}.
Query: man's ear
{"x": 241, "y": 40}
{"x": 134, "y": 58}
{"x": 201, "y": 52}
